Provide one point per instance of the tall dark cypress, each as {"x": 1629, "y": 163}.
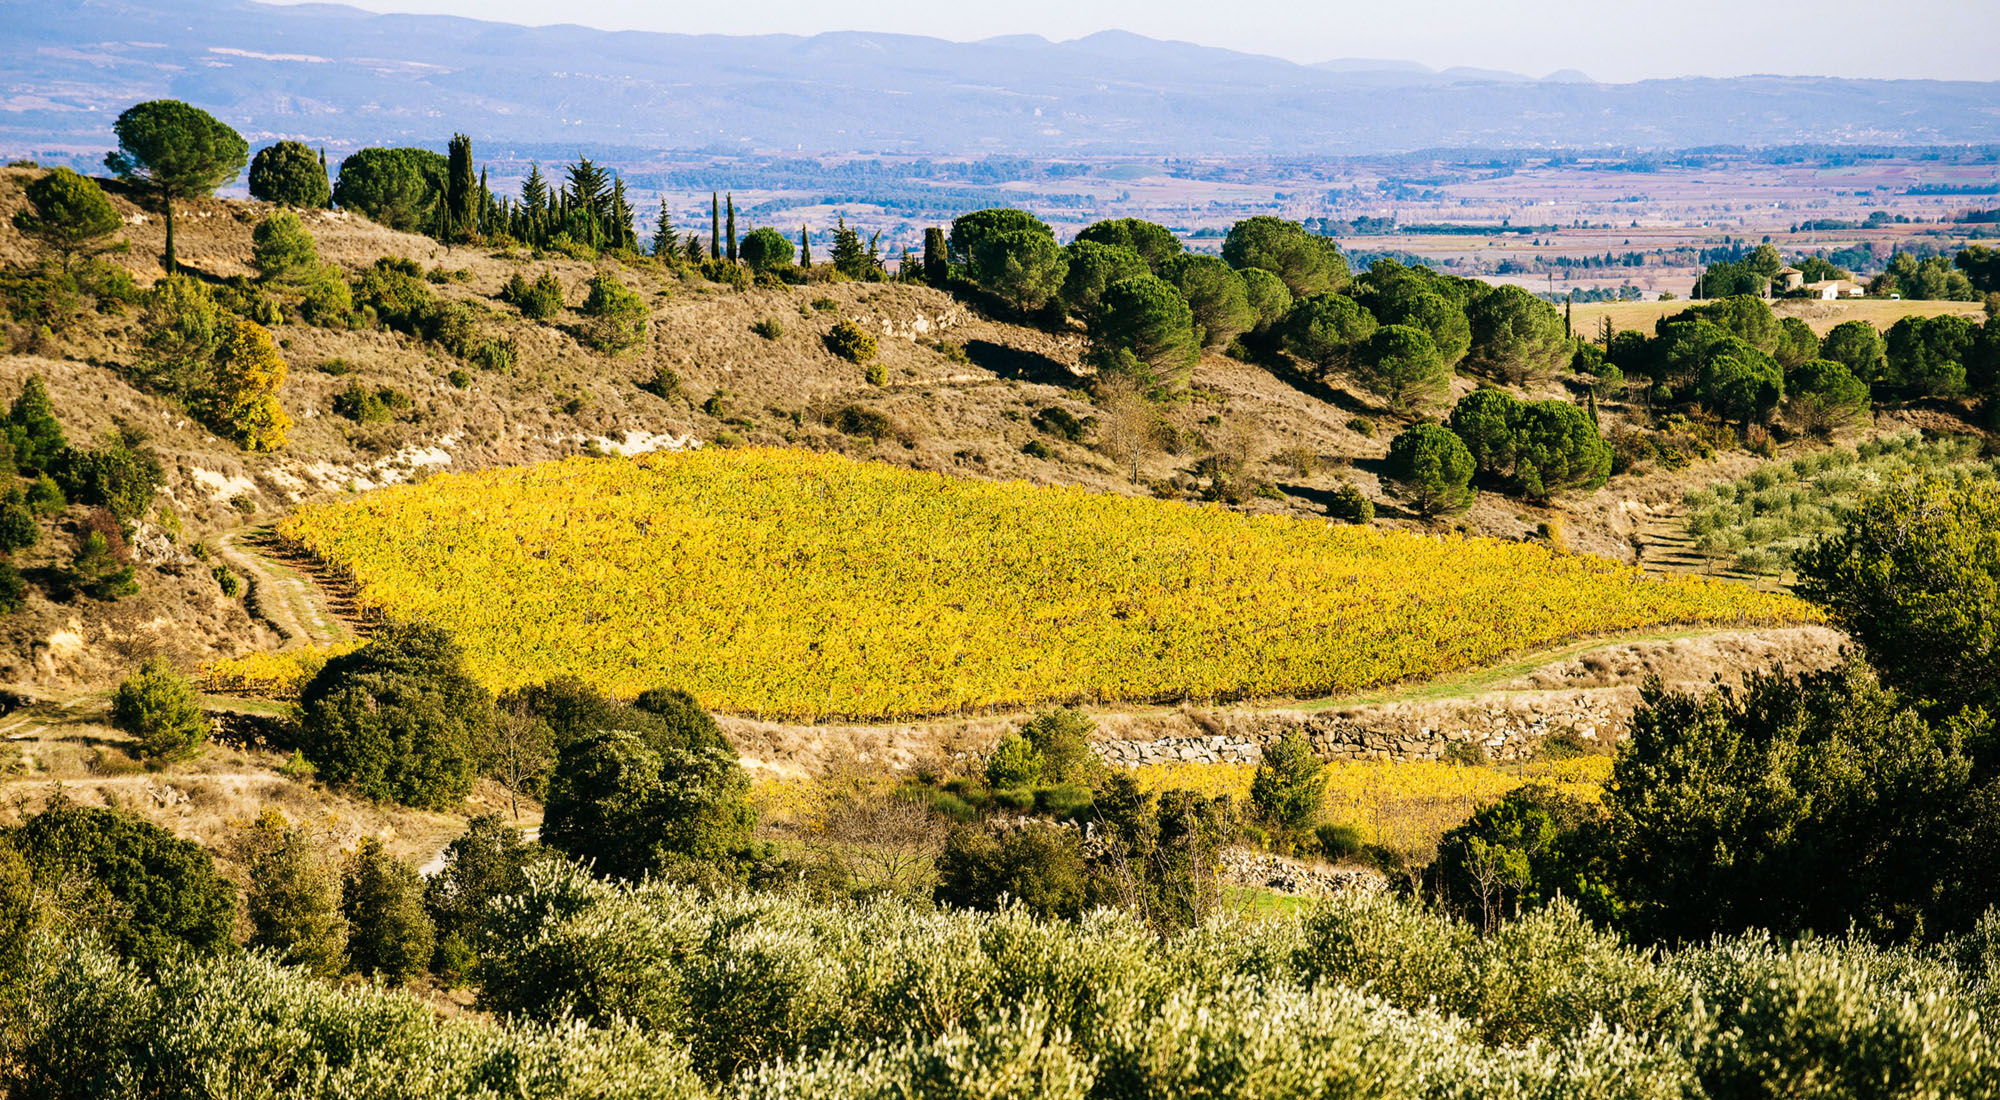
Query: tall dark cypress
{"x": 805, "y": 249}
{"x": 622, "y": 234}
{"x": 484, "y": 204}
{"x": 714, "y": 226}
{"x": 666, "y": 242}
{"x": 458, "y": 187}
{"x": 329, "y": 179}
{"x": 731, "y": 200}
{"x": 936, "y": 271}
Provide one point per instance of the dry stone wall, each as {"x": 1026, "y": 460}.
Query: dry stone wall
{"x": 1504, "y": 729}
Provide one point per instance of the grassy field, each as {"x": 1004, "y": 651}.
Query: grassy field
{"x": 1822, "y": 316}
{"x": 786, "y": 584}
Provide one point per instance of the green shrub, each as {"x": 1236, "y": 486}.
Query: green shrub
{"x": 122, "y": 476}
{"x": 459, "y": 379}
{"x": 635, "y": 809}
{"x": 614, "y": 317}
{"x": 159, "y": 707}
{"x": 293, "y": 899}
{"x": 148, "y": 895}
{"x": 13, "y": 588}
{"x": 398, "y": 719}
{"x": 537, "y": 301}
{"x": 100, "y": 569}
{"x": 1350, "y": 505}
{"x": 1035, "y": 448}
{"x": 1289, "y": 785}
{"x": 486, "y": 863}
{"x": 1061, "y": 737}
{"x": 850, "y": 341}
{"x": 1040, "y": 867}
{"x": 363, "y": 405}
{"x": 389, "y": 935}
{"x": 18, "y": 526}
{"x": 859, "y": 420}
{"x": 33, "y": 431}
{"x": 824, "y": 305}
{"x": 769, "y": 328}
{"x": 1015, "y": 763}
{"x": 1061, "y": 423}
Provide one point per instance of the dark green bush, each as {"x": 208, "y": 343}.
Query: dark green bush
{"x": 1289, "y": 784}
{"x": 399, "y": 719}
{"x": 389, "y": 935}
{"x": 1063, "y": 424}
{"x": 1040, "y": 866}
{"x": 850, "y": 341}
{"x": 1350, "y": 505}
{"x": 862, "y": 421}
{"x": 364, "y": 405}
{"x": 148, "y": 894}
{"x": 159, "y": 707}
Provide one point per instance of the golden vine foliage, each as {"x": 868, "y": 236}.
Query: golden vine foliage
{"x": 277, "y": 675}
{"x": 788, "y": 584}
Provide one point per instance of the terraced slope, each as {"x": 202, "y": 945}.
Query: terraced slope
{"x": 783, "y": 583}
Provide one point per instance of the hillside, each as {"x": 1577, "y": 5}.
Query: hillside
{"x": 965, "y": 392}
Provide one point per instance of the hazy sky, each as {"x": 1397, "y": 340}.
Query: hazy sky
{"x": 1609, "y": 39}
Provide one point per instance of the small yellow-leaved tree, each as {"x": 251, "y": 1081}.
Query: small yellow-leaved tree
{"x": 242, "y": 395}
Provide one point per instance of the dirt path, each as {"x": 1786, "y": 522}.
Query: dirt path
{"x": 287, "y": 590}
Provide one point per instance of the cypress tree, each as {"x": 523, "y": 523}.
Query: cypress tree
{"x": 732, "y": 228}
{"x": 535, "y": 191}
{"x": 692, "y": 249}
{"x": 329, "y": 178}
{"x": 936, "y": 269}
{"x": 666, "y": 241}
{"x": 714, "y": 226}
{"x": 805, "y": 249}
{"x": 849, "y": 257}
{"x": 483, "y": 205}
{"x": 460, "y": 214}
{"x": 622, "y": 233}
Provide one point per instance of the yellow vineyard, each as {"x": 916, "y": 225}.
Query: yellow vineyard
{"x": 788, "y": 584}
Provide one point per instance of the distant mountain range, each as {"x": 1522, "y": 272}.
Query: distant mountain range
{"x": 343, "y": 77}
